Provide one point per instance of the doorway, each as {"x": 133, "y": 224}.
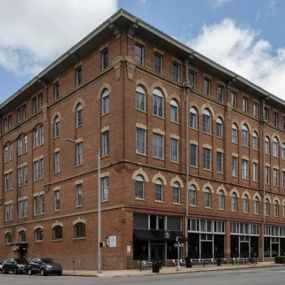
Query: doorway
{"x": 157, "y": 252}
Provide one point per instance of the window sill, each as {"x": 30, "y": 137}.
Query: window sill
{"x": 221, "y": 209}
{"x": 140, "y": 199}
{"x": 206, "y": 133}
{"x": 105, "y": 156}
{"x": 57, "y": 210}
{"x": 159, "y": 158}
{"x": 79, "y": 238}
{"x": 105, "y": 201}
{"x": 159, "y": 117}
{"x": 175, "y": 162}
{"x": 159, "y": 202}
{"x": 176, "y": 204}
{"x": 105, "y": 114}
{"x": 206, "y": 169}
{"x": 174, "y": 122}
{"x": 57, "y": 240}
{"x": 143, "y": 111}
{"x": 142, "y": 154}
{"x": 193, "y": 206}
{"x": 78, "y": 206}
{"x": 194, "y": 166}
{"x": 194, "y": 129}
{"x": 39, "y": 241}
{"x": 206, "y": 207}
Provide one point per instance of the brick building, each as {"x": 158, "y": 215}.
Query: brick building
{"x": 188, "y": 149}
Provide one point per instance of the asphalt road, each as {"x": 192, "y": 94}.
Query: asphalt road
{"x": 260, "y": 276}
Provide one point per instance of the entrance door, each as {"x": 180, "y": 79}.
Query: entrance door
{"x": 206, "y": 249}
{"x": 157, "y": 252}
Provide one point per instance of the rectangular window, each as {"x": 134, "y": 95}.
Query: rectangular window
{"x": 139, "y": 54}
{"x": 104, "y": 58}
{"x": 57, "y": 162}
{"x": 23, "y": 209}
{"x": 207, "y": 153}
{"x": 79, "y": 195}
{"x": 219, "y": 161}
{"x": 283, "y": 179}
{"x": 234, "y": 166}
{"x": 141, "y": 141}
{"x": 267, "y": 175}
{"x": 158, "y": 63}
{"x": 7, "y": 121}
{"x": 22, "y": 175}
{"x": 207, "y": 86}
{"x": 38, "y": 169}
{"x": 56, "y": 91}
{"x": 79, "y": 154}
{"x": 192, "y": 78}
{"x": 158, "y": 145}
{"x": 266, "y": 114}
{"x": 245, "y": 104}
{"x": 234, "y": 99}
{"x": 37, "y": 103}
{"x": 174, "y": 150}
{"x": 255, "y": 110}
{"x": 39, "y": 205}
{"x": 8, "y": 151}
{"x": 193, "y": 155}
{"x": 275, "y": 177}
{"x": 245, "y": 169}
{"x": 56, "y": 200}
{"x": 175, "y": 71}
{"x": 8, "y": 212}
{"x": 105, "y": 143}
{"x": 255, "y": 171}
{"x": 21, "y": 114}
{"x": 275, "y": 119}
{"x": 105, "y": 188}
{"x": 78, "y": 76}
{"x": 220, "y": 93}
{"x": 22, "y": 144}
{"x": 38, "y": 136}
{"x": 8, "y": 181}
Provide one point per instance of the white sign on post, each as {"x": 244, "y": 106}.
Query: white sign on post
{"x": 112, "y": 241}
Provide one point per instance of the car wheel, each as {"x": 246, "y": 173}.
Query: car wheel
{"x": 15, "y": 270}
{"x": 42, "y": 272}
{"x": 4, "y": 271}
{"x": 59, "y": 273}
{"x": 30, "y": 272}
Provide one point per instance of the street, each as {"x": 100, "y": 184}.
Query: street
{"x": 260, "y": 276}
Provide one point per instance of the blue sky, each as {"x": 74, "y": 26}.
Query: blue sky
{"x": 246, "y": 36}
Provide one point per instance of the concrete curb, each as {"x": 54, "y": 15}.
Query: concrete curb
{"x": 164, "y": 271}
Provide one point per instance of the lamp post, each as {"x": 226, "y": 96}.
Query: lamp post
{"x": 99, "y": 219}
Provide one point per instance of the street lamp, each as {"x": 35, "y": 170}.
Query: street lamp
{"x": 99, "y": 219}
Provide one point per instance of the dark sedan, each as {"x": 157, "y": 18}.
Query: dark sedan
{"x": 44, "y": 266}
{"x": 14, "y": 265}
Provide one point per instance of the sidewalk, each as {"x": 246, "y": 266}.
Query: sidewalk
{"x": 167, "y": 270}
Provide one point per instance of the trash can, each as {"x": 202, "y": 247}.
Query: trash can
{"x": 155, "y": 267}
{"x": 188, "y": 262}
{"x": 219, "y": 261}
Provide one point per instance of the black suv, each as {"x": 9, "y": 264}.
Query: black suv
{"x": 15, "y": 265}
{"x": 44, "y": 266}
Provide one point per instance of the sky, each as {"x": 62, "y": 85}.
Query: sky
{"x": 246, "y": 36}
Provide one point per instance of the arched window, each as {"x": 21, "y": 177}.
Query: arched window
{"x": 79, "y": 115}
{"x": 56, "y": 126}
{"x": 79, "y": 230}
{"x": 283, "y": 151}
{"x": 193, "y": 118}
{"x": 57, "y": 232}
{"x": 105, "y": 102}
{"x": 158, "y": 190}
{"x": 255, "y": 141}
{"x": 234, "y": 134}
{"x": 174, "y": 111}
{"x": 256, "y": 205}
{"x": 8, "y": 238}
{"x": 245, "y": 203}
{"x": 139, "y": 187}
{"x": 219, "y": 128}
{"x": 234, "y": 202}
{"x": 22, "y": 236}
{"x": 207, "y": 198}
{"x": 176, "y": 192}
{"x": 275, "y": 147}
{"x": 207, "y": 127}
{"x": 140, "y": 98}
{"x": 221, "y": 200}
{"x": 276, "y": 208}
{"x": 193, "y": 195}
{"x": 244, "y": 136}
{"x": 158, "y": 103}
{"x": 267, "y": 145}
{"x": 267, "y": 207}
{"x": 38, "y": 234}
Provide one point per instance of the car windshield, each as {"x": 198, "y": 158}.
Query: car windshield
{"x": 47, "y": 260}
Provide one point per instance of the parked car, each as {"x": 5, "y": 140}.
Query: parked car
{"x": 0, "y": 265}
{"x": 14, "y": 265}
{"x": 44, "y": 266}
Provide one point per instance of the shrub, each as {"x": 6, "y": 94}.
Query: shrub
{"x": 279, "y": 259}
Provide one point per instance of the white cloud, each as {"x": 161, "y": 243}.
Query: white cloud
{"x": 220, "y": 3}
{"x": 33, "y": 32}
{"x": 242, "y": 50}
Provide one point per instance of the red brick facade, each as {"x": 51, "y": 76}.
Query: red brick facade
{"x": 117, "y": 114}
